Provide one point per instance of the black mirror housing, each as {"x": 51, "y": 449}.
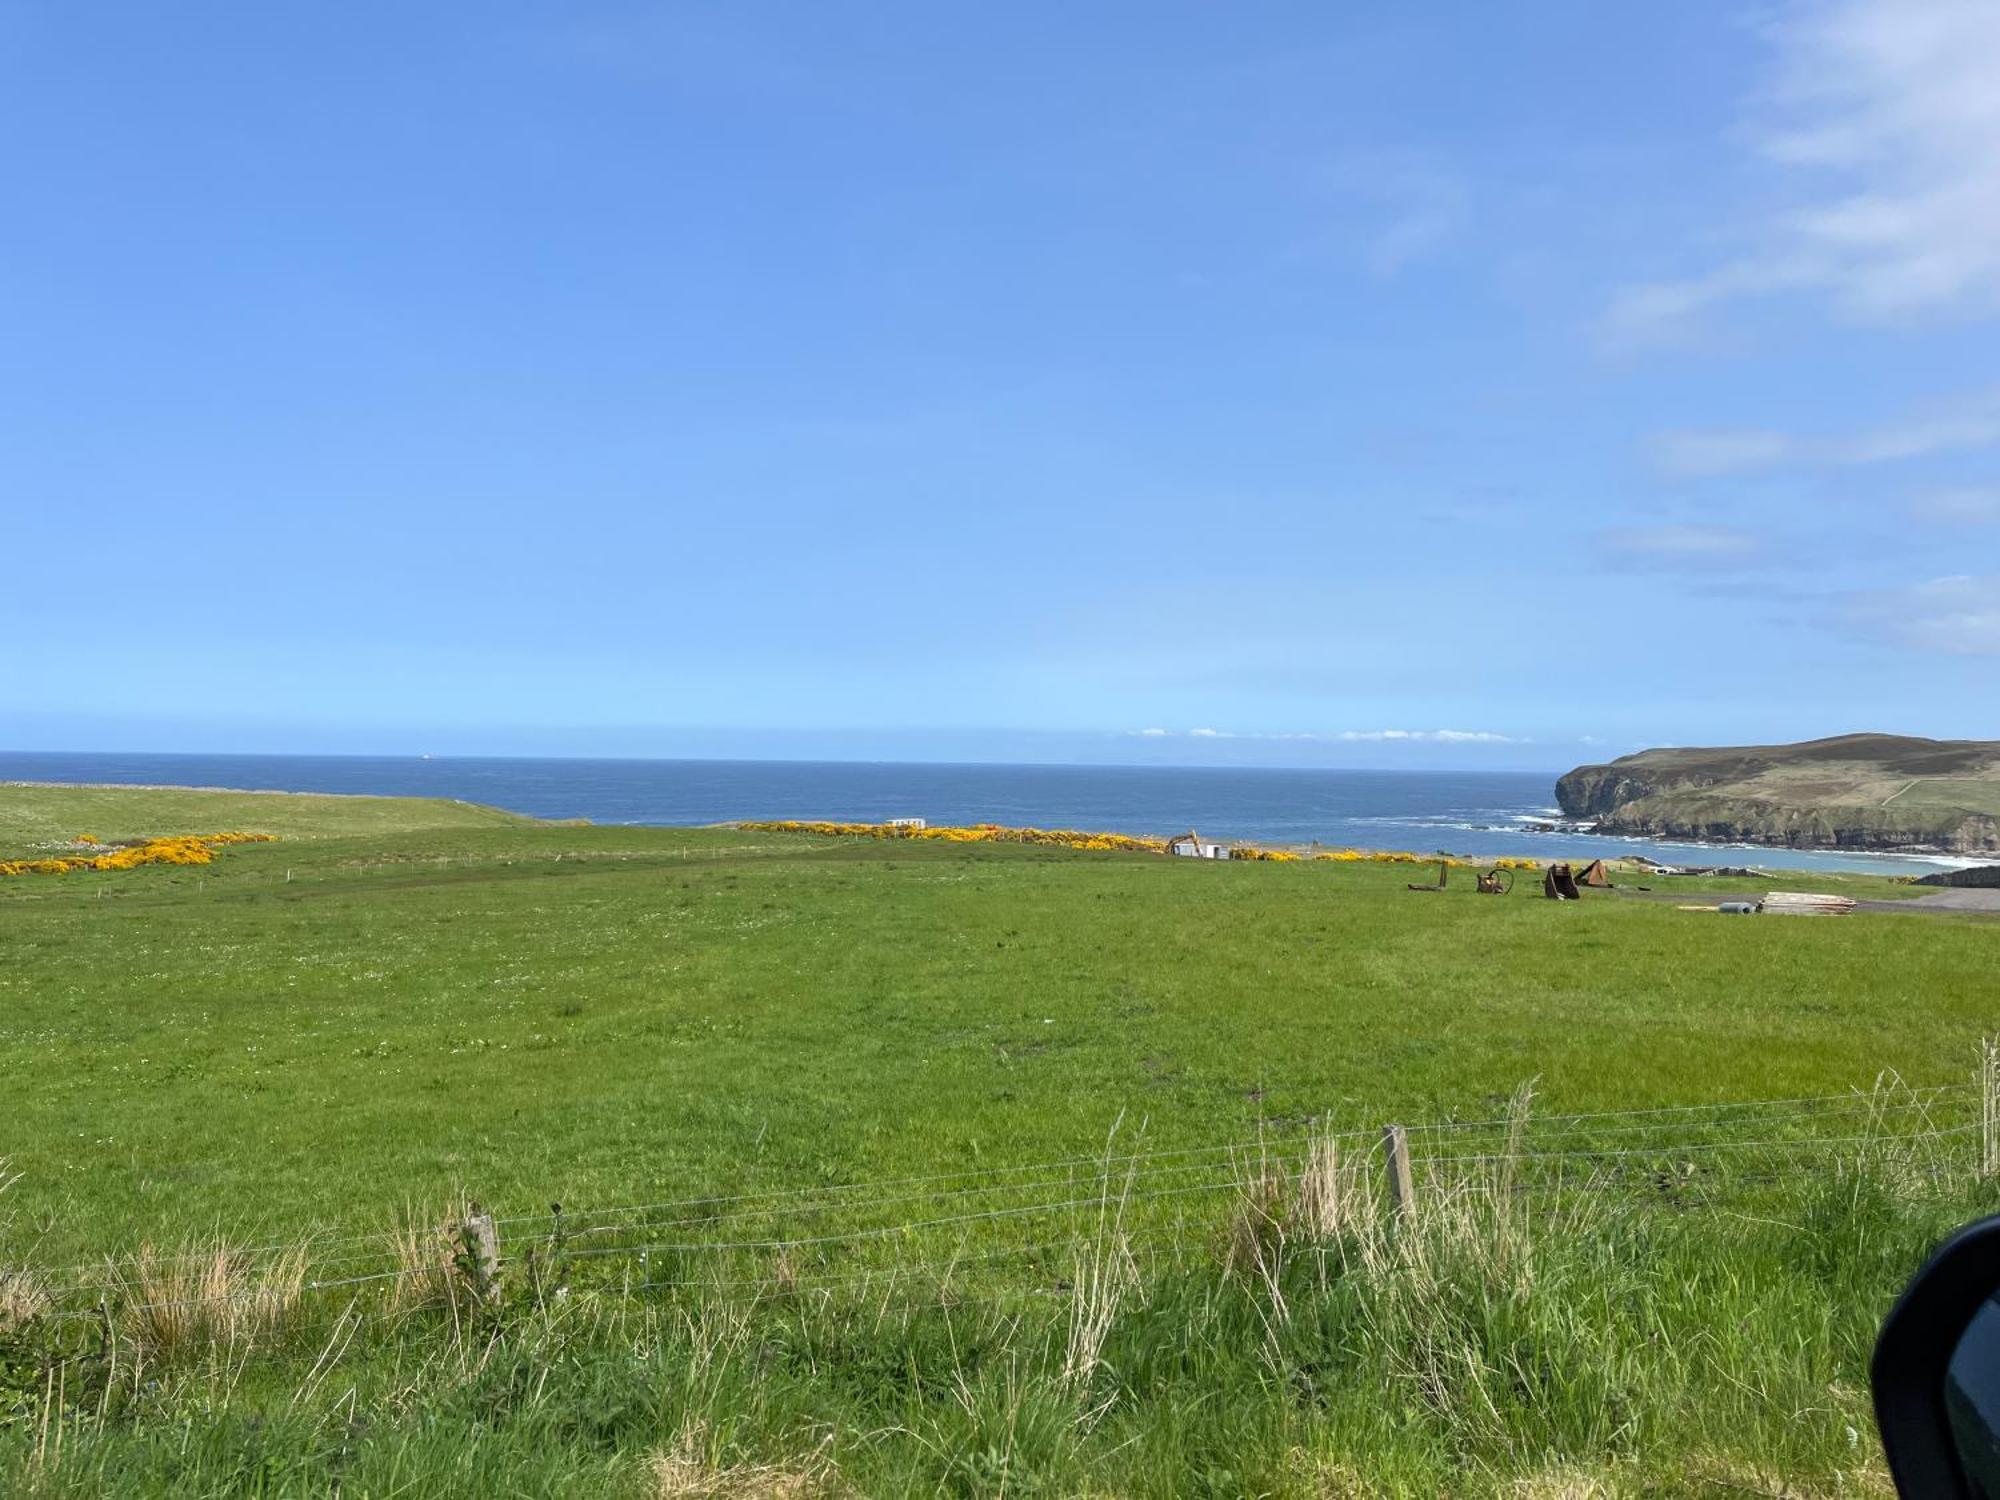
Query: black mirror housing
{"x": 1936, "y": 1373}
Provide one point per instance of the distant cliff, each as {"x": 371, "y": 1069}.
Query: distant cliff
{"x": 1855, "y": 791}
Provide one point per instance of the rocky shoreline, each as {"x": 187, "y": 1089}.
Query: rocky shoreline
{"x": 1783, "y": 832}
{"x": 1849, "y": 793}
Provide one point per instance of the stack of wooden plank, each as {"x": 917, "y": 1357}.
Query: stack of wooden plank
{"x": 1807, "y": 904}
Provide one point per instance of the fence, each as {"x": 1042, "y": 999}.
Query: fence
{"x": 1022, "y": 1230}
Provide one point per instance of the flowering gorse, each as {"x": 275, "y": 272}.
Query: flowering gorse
{"x": 980, "y": 833}
{"x": 176, "y": 849}
{"x": 1071, "y": 838}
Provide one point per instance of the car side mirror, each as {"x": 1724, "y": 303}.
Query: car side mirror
{"x": 1936, "y": 1373}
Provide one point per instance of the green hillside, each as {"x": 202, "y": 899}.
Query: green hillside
{"x": 1857, "y": 791}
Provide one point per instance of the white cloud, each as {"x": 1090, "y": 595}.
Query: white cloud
{"x": 1971, "y": 425}
{"x": 1355, "y": 736}
{"x": 1429, "y": 208}
{"x": 1966, "y": 425}
{"x": 1883, "y": 115}
{"x": 1694, "y": 453}
{"x": 1680, "y": 549}
{"x": 1972, "y": 506}
{"x": 1959, "y": 616}
{"x": 1438, "y": 736}
{"x": 1413, "y": 205}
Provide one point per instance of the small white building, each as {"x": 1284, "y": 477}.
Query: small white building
{"x": 1191, "y": 846}
{"x": 906, "y": 823}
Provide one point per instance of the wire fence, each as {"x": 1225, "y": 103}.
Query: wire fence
{"x": 1020, "y": 1228}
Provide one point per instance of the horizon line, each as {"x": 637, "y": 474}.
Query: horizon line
{"x": 802, "y": 760}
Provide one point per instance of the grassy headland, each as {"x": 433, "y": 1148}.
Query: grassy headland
{"x": 34, "y": 815}
{"x": 767, "y": 1038}
{"x": 1854, "y": 791}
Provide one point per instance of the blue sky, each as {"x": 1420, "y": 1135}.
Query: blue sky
{"x": 1357, "y": 385}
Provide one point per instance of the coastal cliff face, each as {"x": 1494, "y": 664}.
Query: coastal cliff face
{"x": 1862, "y": 791}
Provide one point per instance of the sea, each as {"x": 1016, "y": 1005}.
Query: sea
{"x": 1478, "y": 814}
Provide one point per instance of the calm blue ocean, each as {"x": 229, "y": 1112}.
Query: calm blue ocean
{"x": 1465, "y": 813}
{"x": 1470, "y": 813}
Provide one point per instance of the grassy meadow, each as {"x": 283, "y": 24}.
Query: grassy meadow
{"x": 908, "y": 1168}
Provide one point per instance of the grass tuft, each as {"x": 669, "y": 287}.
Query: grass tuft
{"x": 691, "y": 1471}
{"x": 178, "y": 1308}
{"x": 24, "y": 1297}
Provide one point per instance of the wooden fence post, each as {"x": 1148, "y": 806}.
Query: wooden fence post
{"x": 1396, "y": 1158}
{"x": 479, "y": 1254}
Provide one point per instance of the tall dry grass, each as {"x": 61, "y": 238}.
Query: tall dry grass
{"x": 213, "y": 1300}
{"x": 24, "y": 1297}
{"x": 423, "y": 1257}
{"x": 1105, "y": 1276}
{"x": 692, "y": 1470}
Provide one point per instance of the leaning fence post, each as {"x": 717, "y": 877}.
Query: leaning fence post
{"x": 479, "y": 1254}
{"x": 1396, "y": 1158}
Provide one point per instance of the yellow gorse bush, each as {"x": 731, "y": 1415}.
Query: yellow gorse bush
{"x": 1123, "y": 843}
{"x": 980, "y": 833}
{"x": 176, "y": 849}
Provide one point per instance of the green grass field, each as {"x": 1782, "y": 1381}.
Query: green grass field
{"x": 400, "y": 1006}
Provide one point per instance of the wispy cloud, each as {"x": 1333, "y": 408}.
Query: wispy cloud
{"x": 1971, "y": 506}
{"x": 1882, "y": 117}
{"x": 1395, "y": 207}
{"x": 1428, "y": 207}
{"x": 1958, "y": 616}
{"x": 1974, "y": 424}
{"x": 1680, "y": 549}
{"x": 1437, "y": 736}
{"x": 1346, "y": 736}
{"x": 1704, "y": 451}
{"x": 1965, "y": 425}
